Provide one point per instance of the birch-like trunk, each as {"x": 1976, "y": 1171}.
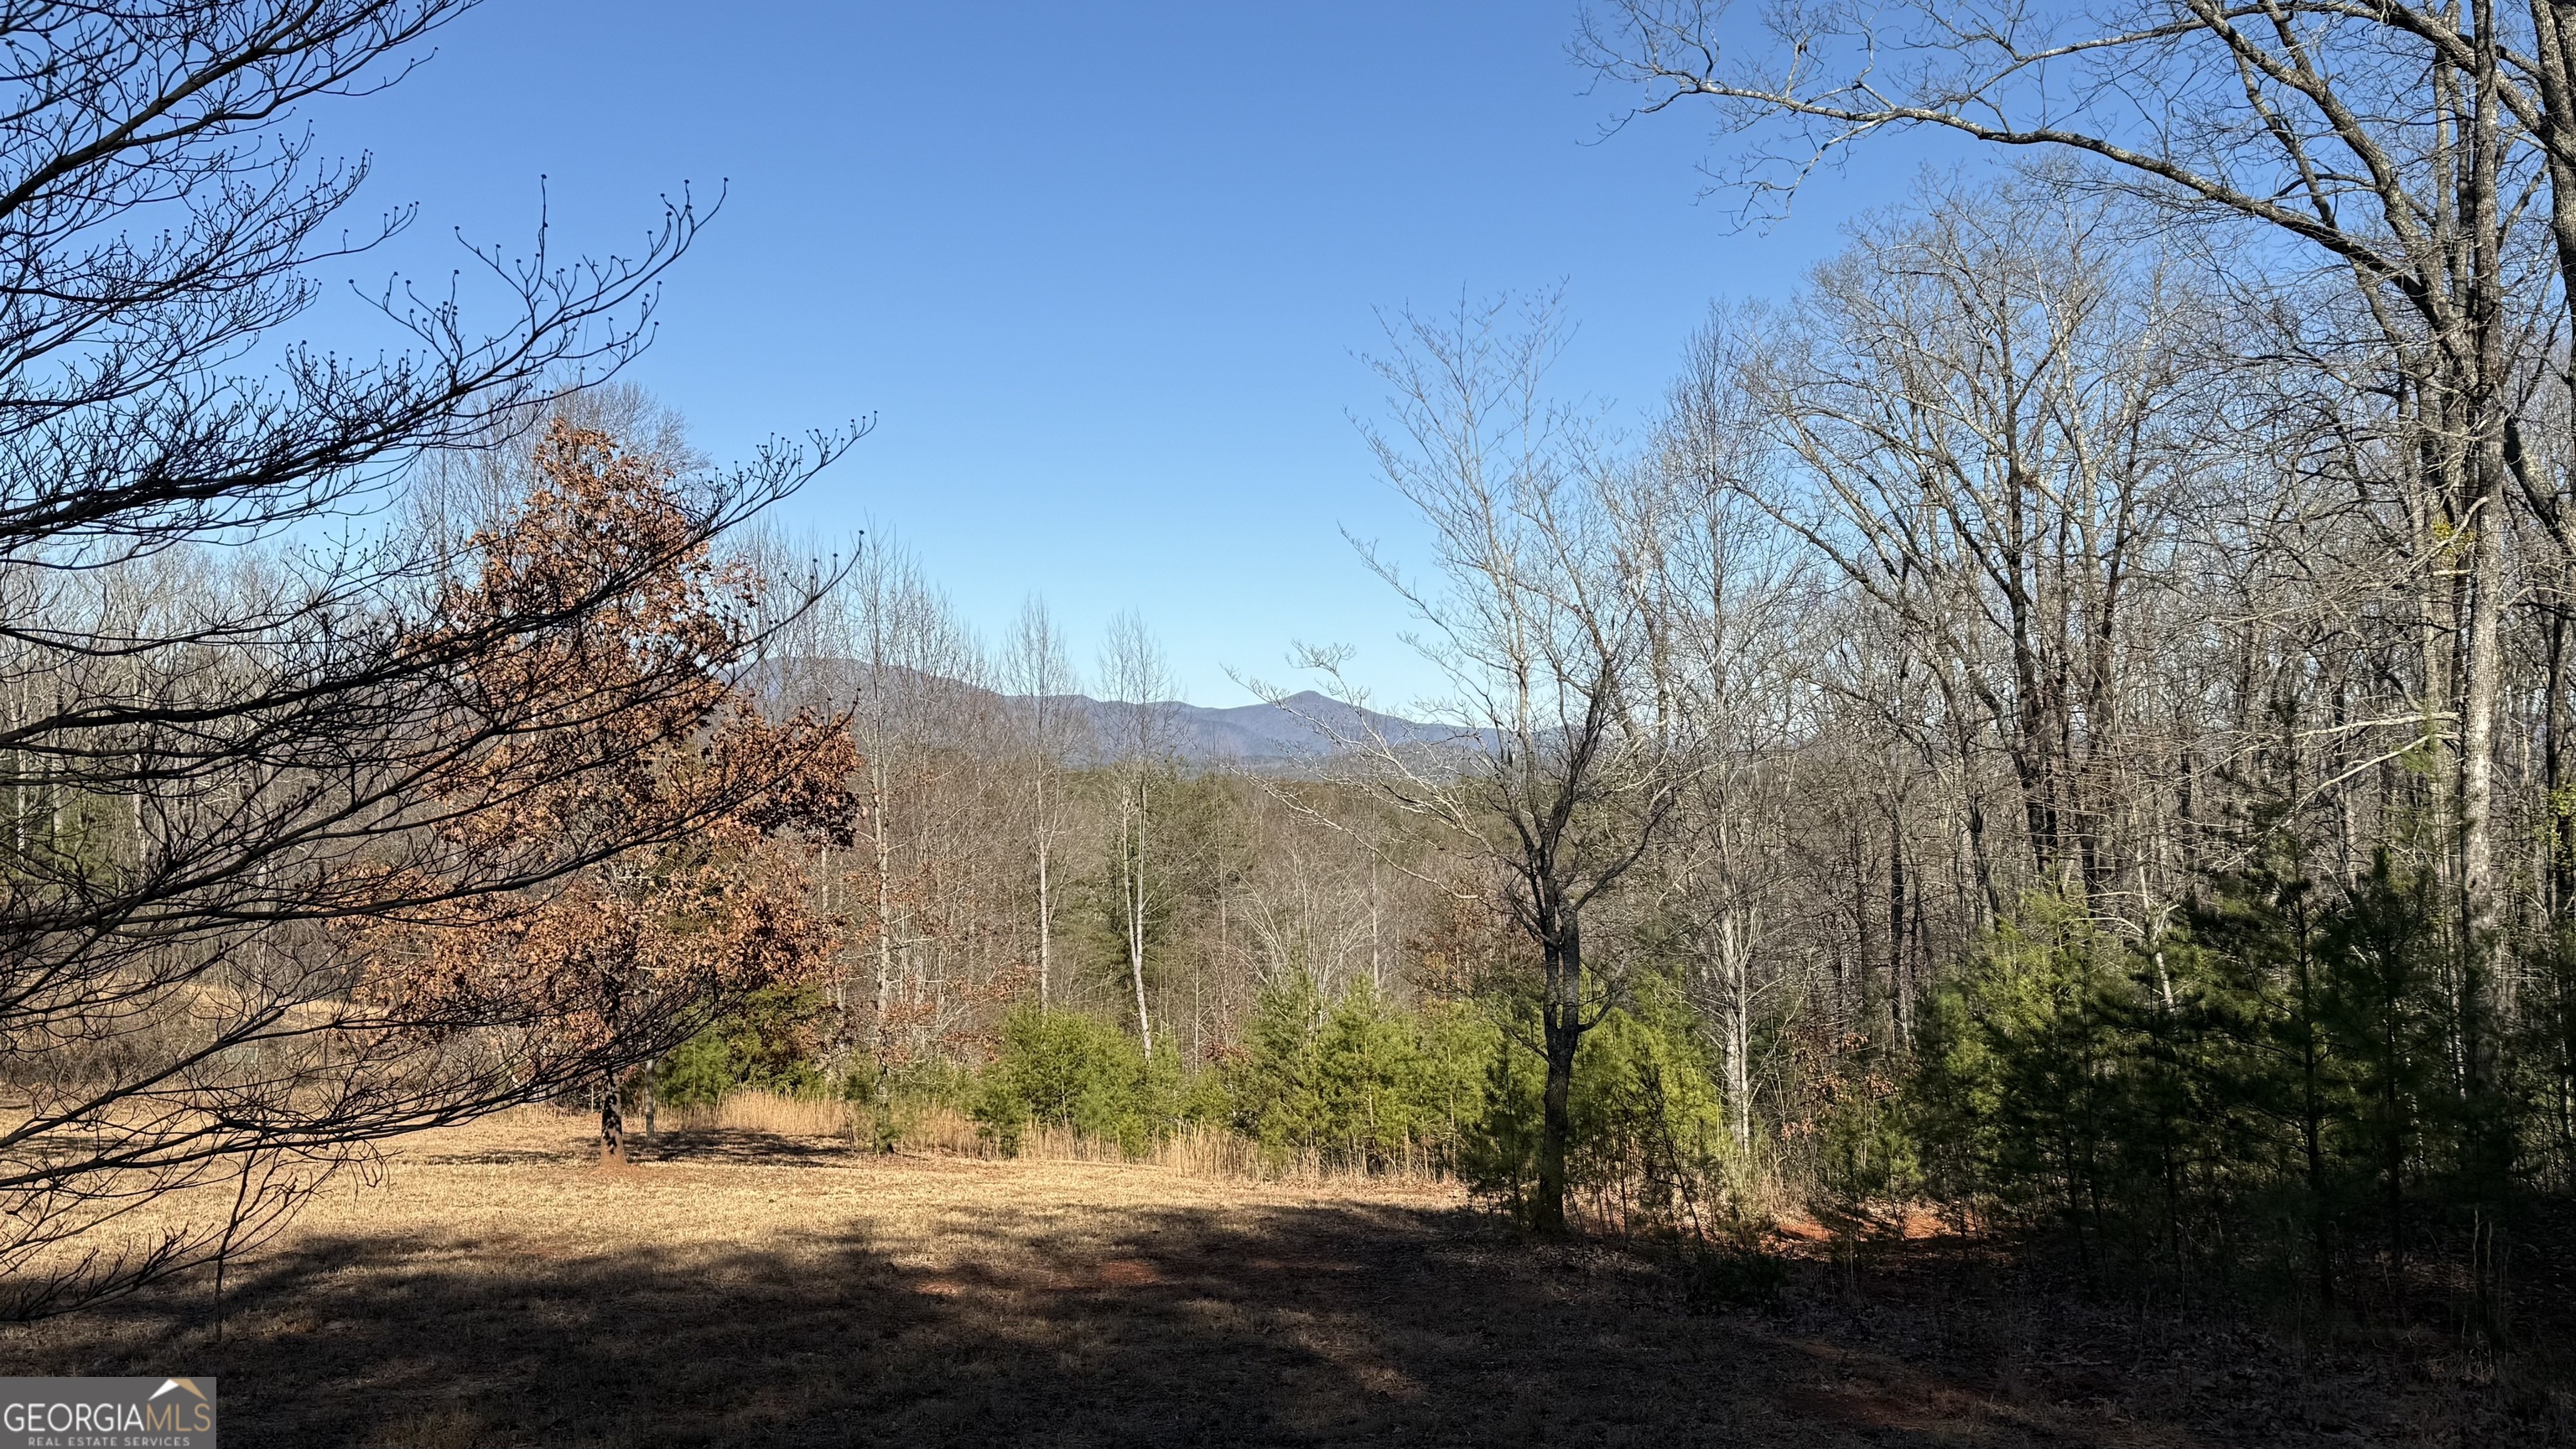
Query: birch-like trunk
{"x": 883, "y": 841}
{"x": 1735, "y": 1026}
{"x": 1136, "y": 923}
{"x": 1046, "y": 930}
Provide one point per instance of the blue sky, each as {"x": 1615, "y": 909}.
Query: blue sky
{"x": 1100, "y": 272}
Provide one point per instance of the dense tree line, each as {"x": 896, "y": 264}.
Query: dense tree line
{"x": 2232, "y": 514}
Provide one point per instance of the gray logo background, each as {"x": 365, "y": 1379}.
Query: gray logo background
{"x": 105, "y": 1414}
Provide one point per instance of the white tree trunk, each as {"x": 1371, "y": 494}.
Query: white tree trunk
{"x": 1136, "y": 925}
{"x": 1735, "y": 1027}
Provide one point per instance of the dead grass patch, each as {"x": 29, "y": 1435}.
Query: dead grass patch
{"x": 1193, "y": 1150}
{"x": 735, "y": 1287}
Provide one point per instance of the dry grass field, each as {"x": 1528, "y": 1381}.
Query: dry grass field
{"x": 739, "y": 1287}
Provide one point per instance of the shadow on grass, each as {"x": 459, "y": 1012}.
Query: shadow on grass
{"x": 1347, "y": 1323}
{"x": 1330, "y": 1324}
{"x": 727, "y": 1144}
{"x": 694, "y": 1144}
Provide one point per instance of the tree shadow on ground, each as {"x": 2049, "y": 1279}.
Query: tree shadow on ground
{"x": 728, "y": 1144}
{"x": 1308, "y": 1325}
{"x": 691, "y": 1144}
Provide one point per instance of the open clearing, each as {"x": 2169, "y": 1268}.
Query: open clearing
{"x": 736, "y": 1289}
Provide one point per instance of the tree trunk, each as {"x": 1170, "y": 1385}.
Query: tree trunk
{"x": 612, "y": 1126}
{"x": 1136, "y": 927}
{"x": 2562, "y": 840}
{"x": 1046, "y": 932}
{"x": 1735, "y": 1011}
{"x": 2483, "y": 696}
{"x": 1561, "y": 1019}
{"x": 2483, "y": 936}
{"x": 884, "y": 1043}
{"x": 1899, "y": 1009}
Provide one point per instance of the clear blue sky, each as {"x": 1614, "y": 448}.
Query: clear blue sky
{"x": 1099, "y": 271}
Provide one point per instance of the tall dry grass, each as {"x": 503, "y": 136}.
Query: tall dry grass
{"x": 769, "y": 1113}
{"x": 1194, "y": 1150}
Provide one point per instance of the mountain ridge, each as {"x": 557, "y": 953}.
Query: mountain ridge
{"x": 1304, "y": 728}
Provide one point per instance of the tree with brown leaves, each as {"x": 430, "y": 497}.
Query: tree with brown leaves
{"x": 262, "y": 752}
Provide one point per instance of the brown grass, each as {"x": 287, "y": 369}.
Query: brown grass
{"x": 733, "y": 1286}
{"x": 766, "y": 1112}
{"x": 1193, "y": 1151}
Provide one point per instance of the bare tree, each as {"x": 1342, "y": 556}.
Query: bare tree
{"x": 1051, "y": 729}
{"x": 1561, "y": 771}
{"x": 1721, "y": 602}
{"x": 2407, "y": 143}
{"x": 1986, "y": 422}
{"x": 891, "y": 657}
{"x": 1134, "y": 675}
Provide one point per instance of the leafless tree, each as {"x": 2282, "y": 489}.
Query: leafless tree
{"x": 1136, "y": 678}
{"x": 1722, "y": 597}
{"x": 1051, "y": 735}
{"x": 889, "y": 654}
{"x": 2408, "y": 144}
{"x": 1562, "y": 769}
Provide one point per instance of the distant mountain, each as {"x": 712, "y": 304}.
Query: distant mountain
{"x": 1303, "y": 728}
